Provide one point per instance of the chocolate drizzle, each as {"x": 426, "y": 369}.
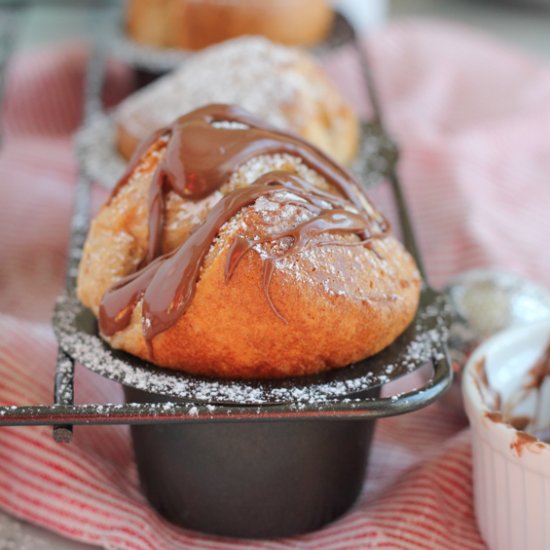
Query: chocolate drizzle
{"x": 200, "y": 157}
{"x": 540, "y": 371}
{"x": 503, "y": 413}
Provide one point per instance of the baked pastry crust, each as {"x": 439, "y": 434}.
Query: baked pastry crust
{"x": 337, "y": 301}
{"x": 195, "y": 24}
{"x": 283, "y": 86}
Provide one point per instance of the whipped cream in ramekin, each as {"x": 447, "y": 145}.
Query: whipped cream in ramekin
{"x": 506, "y": 389}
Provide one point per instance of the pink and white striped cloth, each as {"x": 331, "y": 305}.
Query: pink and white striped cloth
{"x": 472, "y": 119}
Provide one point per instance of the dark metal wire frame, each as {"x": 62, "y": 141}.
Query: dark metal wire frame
{"x": 166, "y": 413}
{"x": 408, "y": 236}
{"x": 93, "y": 87}
{"x": 63, "y": 414}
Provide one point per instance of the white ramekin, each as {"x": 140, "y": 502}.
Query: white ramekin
{"x": 511, "y": 484}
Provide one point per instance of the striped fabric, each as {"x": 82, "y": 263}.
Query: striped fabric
{"x": 472, "y": 120}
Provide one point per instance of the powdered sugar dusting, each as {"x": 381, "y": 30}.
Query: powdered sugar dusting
{"x": 77, "y": 334}
{"x": 256, "y": 167}
{"x": 263, "y": 84}
{"x": 331, "y": 261}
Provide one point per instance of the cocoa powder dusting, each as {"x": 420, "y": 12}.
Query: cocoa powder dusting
{"x": 482, "y": 383}
{"x": 519, "y": 422}
{"x": 540, "y": 371}
{"x": 495, "y": 416}
{"x": 522, "y": 441}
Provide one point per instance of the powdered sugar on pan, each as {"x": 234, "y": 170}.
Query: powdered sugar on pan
{"x": 96, "y": 151}
{"x": 76, "y": 331}
{"x": 377, "y": 154}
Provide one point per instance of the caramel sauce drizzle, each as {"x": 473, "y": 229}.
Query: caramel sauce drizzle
{"x": 198, "y": 160}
